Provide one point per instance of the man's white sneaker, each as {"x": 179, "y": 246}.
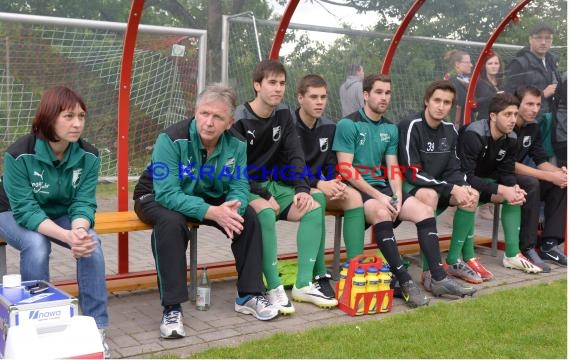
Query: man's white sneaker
{"x": 519, "y": 262}
{"x": 313, "y": 294}
{"x": 278, "y": 297}
{"x": 171, "y": 326}
{"x": 256, "y": 305}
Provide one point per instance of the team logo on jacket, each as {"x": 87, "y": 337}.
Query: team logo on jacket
{"x": 384, "y": 137}
{"x": 527, "y": 140}
{"x": 75, "y": 177}
{"x": 443, "y": 144}
{"x": 38, "y": 185}
{"x": 324, "y": 144}
{"x": 276, "y": 133}
{"x": 252, "y": 134}
{"x": 40, "y": 175}
{"x": 501, "y": 154}
{"x": 230, "y": 164}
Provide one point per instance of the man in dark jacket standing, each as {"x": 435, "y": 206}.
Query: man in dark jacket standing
{"x": 536, "y": 66}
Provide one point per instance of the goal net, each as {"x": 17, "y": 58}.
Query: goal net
{"x": 87, "y": 58}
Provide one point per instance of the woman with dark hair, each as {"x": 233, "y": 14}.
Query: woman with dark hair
{"x": 47, "y": 195}
{"x": 490, "y": 83}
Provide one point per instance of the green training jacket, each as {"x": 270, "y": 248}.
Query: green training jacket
{"x": 37, "y": 186}
{"x": 181, "y": 176}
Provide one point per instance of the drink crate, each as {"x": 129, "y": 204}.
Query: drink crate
{"x": 363, "y": 261}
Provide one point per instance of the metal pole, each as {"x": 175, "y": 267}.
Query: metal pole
{"x": 283, "y": 25}
{"x": 225, "y": 47}
{"x": 256, "y": 38}
{"x": 123, "y": 126}
{"x": 8, "y": 91}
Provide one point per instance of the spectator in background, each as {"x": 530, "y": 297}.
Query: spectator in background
{"x": 489, "y": 84}
{"x": 47, "y": 195}
{"x": 542, "y": 181}
{"x": 460, "y": 74}
{"x": 351, "y": 90}
{"x": 535, "y": 65}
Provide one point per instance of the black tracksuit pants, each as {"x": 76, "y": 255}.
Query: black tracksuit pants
{"x": 554, "y": 211}
{"x": 169, "y": 241}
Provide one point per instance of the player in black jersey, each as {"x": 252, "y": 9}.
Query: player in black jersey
{"x": 280, "y": 189}
{"x": 542, "y": 181}
{"x": 316, "y": 134}
{"x": 487, "y": 151}
{"x": 428, "y": 143}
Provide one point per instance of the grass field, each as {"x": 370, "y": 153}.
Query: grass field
{"x": 526, "y": 322}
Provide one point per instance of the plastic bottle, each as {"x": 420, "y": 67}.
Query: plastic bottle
{"x": 342, "y": 278}
{"x": 394, "y": 201}
{"x": 384, "y": 285}
{"x": 358, "y": 286}
{"x": 372, "y": 286}
{"x": 203, "y": 292}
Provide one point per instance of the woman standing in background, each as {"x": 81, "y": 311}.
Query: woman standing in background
{"x": 460, "y": 75}
{"x": 490, "y": 83}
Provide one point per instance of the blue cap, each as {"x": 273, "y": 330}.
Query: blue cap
{"x": 359, "y": 270}
{"x": 372, "y": 269}
{"x": 385, "y": 268}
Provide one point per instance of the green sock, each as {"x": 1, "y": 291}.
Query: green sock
{"x": 462, "y": 224}
{"x": 469, "y": 245}
{"x": 353, "y": 231}
{"x": 320, "y": 267}
{"x": 511, "y": 220}
{"x": 425, "y": 265}
{"x": 308, "y": 242}
{"x": 266, "y": 219}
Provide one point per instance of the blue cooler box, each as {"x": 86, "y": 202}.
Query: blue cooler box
{"x": 45, "y": 308}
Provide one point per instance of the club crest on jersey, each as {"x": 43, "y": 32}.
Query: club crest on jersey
{"x": 384, "y": 137}
{"x": 527, "y": 141}
{"x": 276, "y": 133}
{"x": 324, "y": 144}
{"x": 230, "y": 164}
{"x": 443, "y": 144}
{"x": 75, "y": 177}
{"x": 501, "y": 154}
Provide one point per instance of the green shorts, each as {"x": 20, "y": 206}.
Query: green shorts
{"x": 281, "y": 192}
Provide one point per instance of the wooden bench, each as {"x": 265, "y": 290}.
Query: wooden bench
{"x": 127, "y": 221}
